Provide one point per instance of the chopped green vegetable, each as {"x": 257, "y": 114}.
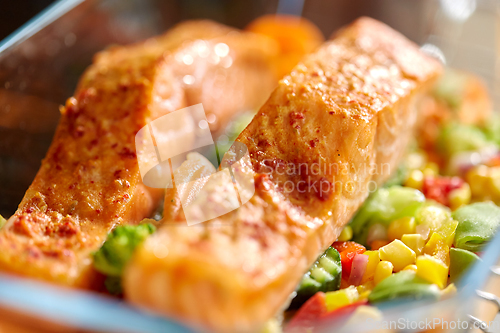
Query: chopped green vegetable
{"x": 324, "y": 275}
{"x": 239, "y": 123}
{"x": 404, "y": 284}
{"x": 118, "y": 248}
{"x": 384, "y": 206}
{"x": 477, "y": 223}
{"x": 492, "y": 129}
{"x": 460, "y": 260}
{"x": 433, "y": 215}
{"x": 455, "y": 138}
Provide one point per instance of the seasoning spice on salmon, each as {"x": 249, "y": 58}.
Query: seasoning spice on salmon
{"x": 356, "y": 100}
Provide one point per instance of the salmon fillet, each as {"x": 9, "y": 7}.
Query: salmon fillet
{"x": 337, "y": 123}
{"x": 227, "y": 74}
{"x": 89, "y": 181}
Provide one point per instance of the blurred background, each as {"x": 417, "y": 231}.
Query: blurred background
{"x": 234, "y": 12}
{"x": 406, "y": 15}
{"x": 16, "y": 13}
{"x": 39, "y": 68}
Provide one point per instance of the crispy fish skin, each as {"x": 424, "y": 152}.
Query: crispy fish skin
{"x": 351, "y": 104}
{"x": 90, "y": 181}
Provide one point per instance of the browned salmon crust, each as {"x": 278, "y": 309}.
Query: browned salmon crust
{"x": 350, "y": 107}
{"x": 90, "y": 181}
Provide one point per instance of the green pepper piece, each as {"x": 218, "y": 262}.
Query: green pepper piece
{"x": 455, "y": 138}
{"x": 385, "y": 205}
{"x": 324, "y": 275}
{"x": 460, "y": 260}
{"x": 405, "y": 284}
{"x": 477, "y": 223}
{"x": 118, "y": 248}
{"x": 237, "y": 124}
{"x": 433, "y": 215}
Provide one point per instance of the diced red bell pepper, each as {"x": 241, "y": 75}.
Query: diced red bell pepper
{"x": 347, "y": 252}
{"x": 438, "y": 188}
{"x": 308, "y": 313}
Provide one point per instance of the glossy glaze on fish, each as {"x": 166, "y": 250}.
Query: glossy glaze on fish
{"x": 337, "y": 124}
{"x": 89, "y": 181}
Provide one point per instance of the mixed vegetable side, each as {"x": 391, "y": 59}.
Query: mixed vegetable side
{"x": 413, "y": 238}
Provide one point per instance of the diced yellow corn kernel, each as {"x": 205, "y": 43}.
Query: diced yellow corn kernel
{"x": 484, "y": 182}
{"x": 447, "y": 231}
{"x": 373, "y": 260}
{"x": 449, "y": 291}
{"x": 415, "y": 242}
{"x": 431, "y": 169}
{"x": 365, "y": 289}
{"x": 399, "y": 227}
{"x": 340, "y": 298}
{"x": 410, "y": 268}
{"x": 398, "y": 254}
{"x": 415, "y": 179}
{"x": 433, "y": 270}
{"x": 384, "y": 269}
{"x": 494, "y": 185}
{"x": 437, "y": 248}
{"x": 477, "y": 179}
{"x": 346, "y": 234}
{"x": 460, "y": 196}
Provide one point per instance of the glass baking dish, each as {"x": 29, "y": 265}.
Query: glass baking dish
{"x": 40, "y": 65}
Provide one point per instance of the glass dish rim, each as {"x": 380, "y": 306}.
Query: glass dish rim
{"x": 37, "y": 23}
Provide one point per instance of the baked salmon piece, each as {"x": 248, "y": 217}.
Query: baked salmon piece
{"x": 89, "y": 181}
{"x": 338, "y": 123}
{"x": 227, "y": 74}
